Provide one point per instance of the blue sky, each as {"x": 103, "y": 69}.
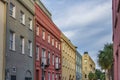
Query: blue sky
{"x": 87, "y": 23}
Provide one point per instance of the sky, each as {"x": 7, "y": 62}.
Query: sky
{"x": 87, "y": 23}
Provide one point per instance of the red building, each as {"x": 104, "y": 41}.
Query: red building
{"x": 48, "y": 51}
{"x": 116, "y": 38}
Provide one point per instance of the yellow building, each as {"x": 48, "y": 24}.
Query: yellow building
{"x": 68, "y": 59}
{"x": 2, "y": 38}
{"x": 88, "y": 66}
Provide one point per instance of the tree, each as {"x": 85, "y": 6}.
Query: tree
{"x": 91, "y": 76}
{"x": 105, "y": 58}
{"x": 99, "y": 75}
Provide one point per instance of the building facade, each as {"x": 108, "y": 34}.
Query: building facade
{"x": 48, "y": 48}
{"x": 116, "y": 38}
{"x": 68, "y": 59}
{"x": 78, "y": 66}
{"x": 88, "y": 66}
{"x": 20, "y": 40}
{"x": 3, "y": 38}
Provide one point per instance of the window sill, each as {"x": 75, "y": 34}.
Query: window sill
{"x": 22, "y": 23}
{"x": 12, "y": 17}
{"x": 12, "y": 50}
{"x": 30, "y": 29}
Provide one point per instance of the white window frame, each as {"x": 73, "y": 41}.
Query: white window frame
{"x": 53, "y": 76}
{"x": 56, "y": 44}
{"x": 59, "y": 46}
{"x": 12, "y": 41}
{"x": 30, "y": 24}
{"x": 53, "y": 62}
{"x": 22, "y": 17}
{"x": 43, "y": 34}
{"x": 49, "y": 56}
{"x": 12, "y": 10}
{"x": 30, "y": 48}
{"x": 22, "y": 45}
{"x": 37, "y": 52}
{"x": 52, "y": 42}
{"x": 48, "y": 38}
{"x": 49, "y": 76}
{"x": 44, "y": 56}
{"x": 37, "y": 30}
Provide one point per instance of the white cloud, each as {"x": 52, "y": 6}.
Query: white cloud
{"x": 83, "y": 14}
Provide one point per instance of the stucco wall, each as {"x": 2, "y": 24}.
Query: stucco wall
{"x": 2, "y": 36}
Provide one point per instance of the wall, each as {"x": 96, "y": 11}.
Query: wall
{"x": 2, "y": 39}
{"x": 68, "y": 59}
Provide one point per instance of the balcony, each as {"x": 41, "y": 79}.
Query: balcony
{"x": 45, "y": 62}
{"x": 57, "y": 66}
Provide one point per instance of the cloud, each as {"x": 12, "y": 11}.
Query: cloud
{"x": 87, "y": 23}
{"x": 82, "y": 15}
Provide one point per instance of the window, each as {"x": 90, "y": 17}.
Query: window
{"x": 44, "y": 56}
{"x": 22, "y": 17}
{"x": 13, "y": 77}
{"x": 37, "y": 30}
{"x": 52, "y": 76}
{"x": 30, "y": 24}
{"x": 22, "y": 44}
{"x": 56, "y": 63}
{"x": 48, "y": 75}
{"x": 37, "y": 52}
{"x": 12, "y": 10}
{"x": 56, "y": 44}
{"x": 30, "y": 48}
{"x": 52, "y": 42}
{"x": 48, "y": 38}
{"x": 49, "y": 57}
{"x": 43, "y": 35}
{"x": 59, "y": 46}
{"x": 85, "y": 68}
{"x": 53, "y": 59}
{"x": 85, "y": 61}
{"x": 85, "y": 76}
{"x": 12, "y": 41}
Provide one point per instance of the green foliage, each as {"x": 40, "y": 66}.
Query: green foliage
{"x": 99, "y": 75}
{"x": 105, "y": 57}
{"x": 91, "y": 76}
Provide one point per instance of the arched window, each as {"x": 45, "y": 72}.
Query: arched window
{"x": 28, "y": 75}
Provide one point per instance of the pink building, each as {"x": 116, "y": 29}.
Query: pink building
{"x": 116, "y": 38}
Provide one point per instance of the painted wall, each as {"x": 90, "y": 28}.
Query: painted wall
{"x": 68, "y": 59}
{"x": 116, "y": 37}
{"x": 43, "y": 21}
{"x": 2, "y": 38}
{"x": 78, "y": 66}
{"x": 88, "y": 66}
{"x": 19, "y": 64}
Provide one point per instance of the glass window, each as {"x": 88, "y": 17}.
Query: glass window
{"x": 52, "y": 42}
{"x": 12, "y": 41}
{"x": 37, "y": 52}
{"x": 22, "y": 17}
{"x": 44, "y": 56}
{"x": 49, "y": 57}
{"x": 12, "y": 10}
{"x": 30, "y": 24}
{"x": 48, "y": 75}
{"x": 52, "y": 76}
{"x": 37, "y": 30}
{"x": 30, "y": 48}
{"x": 22, "y": 44}
{"x": 43, "y": 35}
{"x": 53, "y": 59}
{"x": 48, "y": 38}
